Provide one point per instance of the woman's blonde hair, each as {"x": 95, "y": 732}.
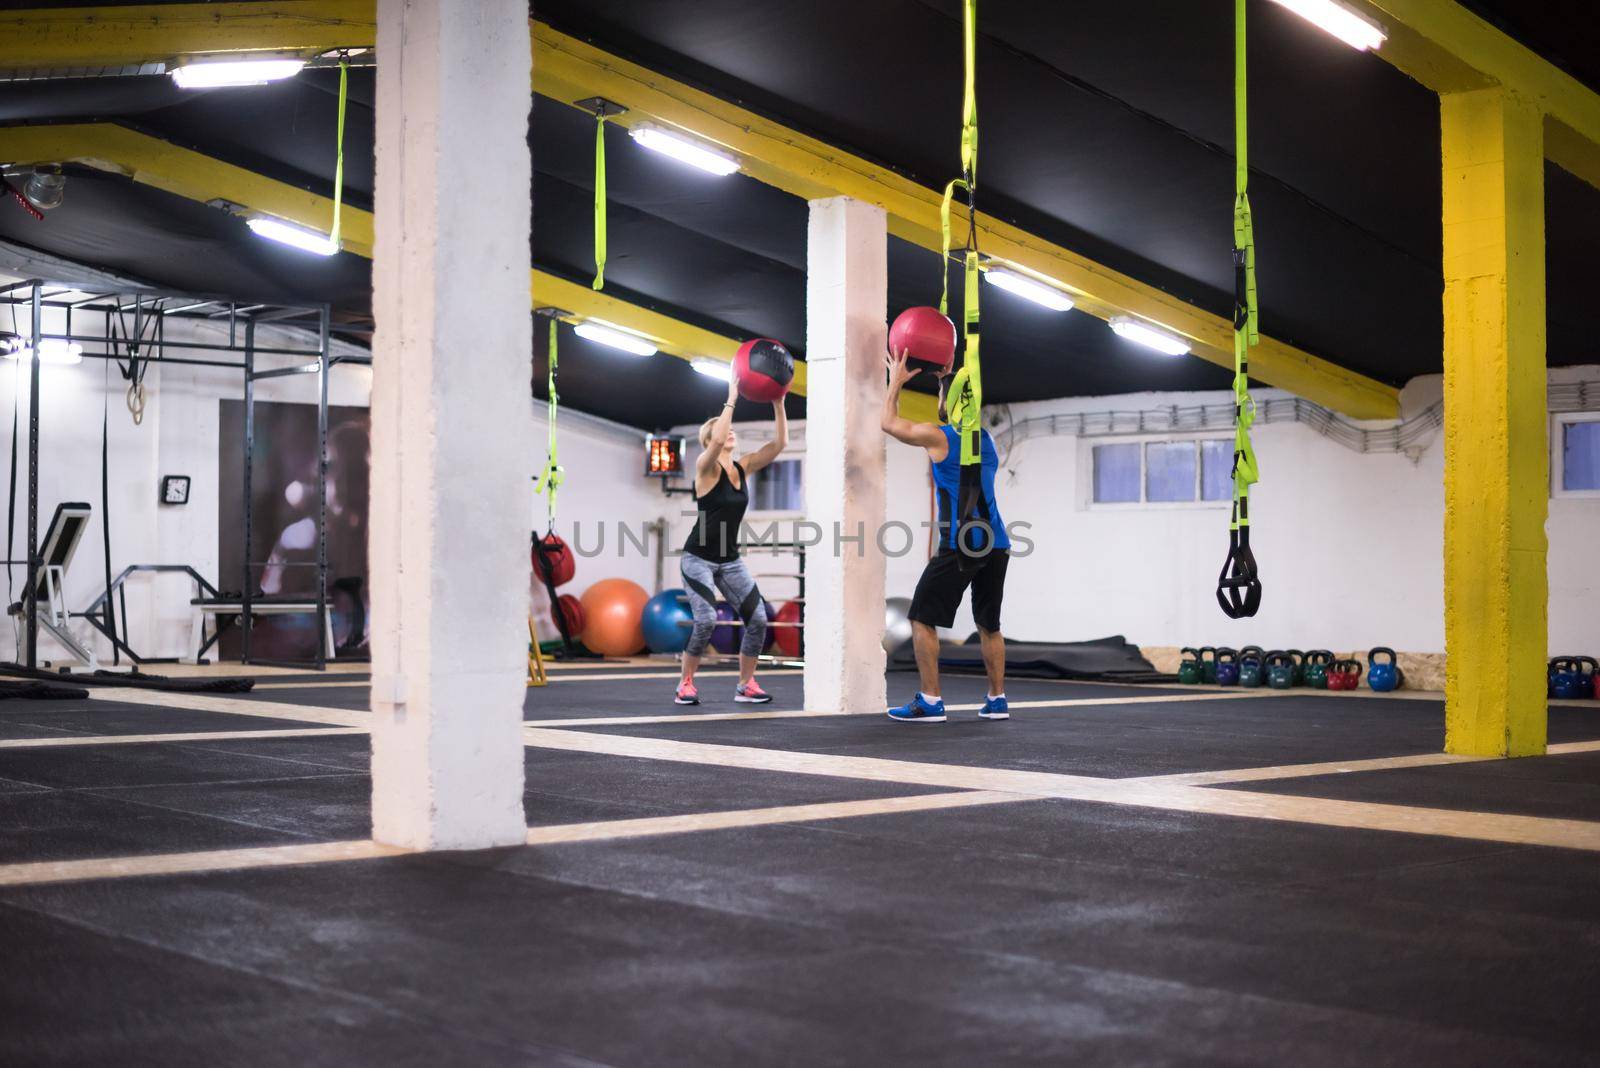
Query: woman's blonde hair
{"x": 705, "y": 430}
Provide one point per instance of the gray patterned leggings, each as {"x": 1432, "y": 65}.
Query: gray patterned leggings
{"x": 703, "y": 578}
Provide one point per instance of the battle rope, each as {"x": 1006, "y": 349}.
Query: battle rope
{"x": 599, "y": 203}
{"x": 1239, "y": 584}
{"x": 338, "y": 162}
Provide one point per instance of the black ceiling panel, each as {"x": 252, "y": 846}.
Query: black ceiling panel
{"x": 141, "y": 232}
{"x": 1566, "y": 32}
{"x": 1105, "y": 128}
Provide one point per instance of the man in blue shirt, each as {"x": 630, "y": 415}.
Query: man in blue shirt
{"x": 973, "y": 551}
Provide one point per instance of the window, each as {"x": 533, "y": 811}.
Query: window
{"x": 1116, "y": 473}
{"x": 1216, "y": 471}
{"x": 780, "y": 487}
{"x": 1162, "y": 471}
{"x": 1575, "y": 455}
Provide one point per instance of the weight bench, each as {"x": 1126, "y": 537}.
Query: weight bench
{"x": 223, "y": 610}
{"x": 60, "y": 544}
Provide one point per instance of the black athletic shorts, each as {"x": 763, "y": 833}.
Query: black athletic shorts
{"x": 944, "y": 580}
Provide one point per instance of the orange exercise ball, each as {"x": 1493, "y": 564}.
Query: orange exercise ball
{"x": 613, "y": 613}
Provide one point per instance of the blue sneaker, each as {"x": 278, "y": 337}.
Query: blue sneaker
{"x": 918, "y": 711}
{"x": 995, "y": 708}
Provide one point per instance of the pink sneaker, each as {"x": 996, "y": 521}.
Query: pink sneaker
{"x": 751, "y": 693}
{"x": 686, "y": 695}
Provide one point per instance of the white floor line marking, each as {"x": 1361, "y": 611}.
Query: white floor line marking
{"x": 1481, "y": 826}
{"x": 607, "y": 830}
{"x": 1337, "y": 767}
{"x": 1563, "y": 748}
{"x": 692, "y": 717}
{"x": 63, "y": 871}
{"x": 1026, "y": 786}
{"x": 612, "y": 676}
{"x": 255, "y": 671}
{"x": 66, "y": 871}
{"x": 201, "y": 702}
{"x": 186, "y": 736}
{"x": 345, "y": 685}
{"x": 1300, "y": 771}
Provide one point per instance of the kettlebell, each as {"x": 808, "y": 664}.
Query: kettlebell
{"x": 1565, "y": 678}
{"x": 1250, "y": 674}
{"x": 1344, "y": 674}
{"x": 1208, "y": 665}
{"x": 1586, "y": 679}
{"x": 1280, "y": 670}
{"x": 1317, "y": 661}
{"x": 1189, "y": 666}
{"x": 1299, "y": 666}
{"x": 1384, "y": 675}
{"x": 1248, "y": 651}
{"x": 1227, "y": 667}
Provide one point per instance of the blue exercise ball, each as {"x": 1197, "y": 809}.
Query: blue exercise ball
{"x": 667, "y": 621}
{"x": 725, "y": 638}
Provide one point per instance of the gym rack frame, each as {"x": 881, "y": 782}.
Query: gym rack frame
{"x": 150, "y": 310}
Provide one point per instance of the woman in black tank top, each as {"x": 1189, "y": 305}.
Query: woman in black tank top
{"x": 711, "y": 554}
{"x": 715, "y": 536}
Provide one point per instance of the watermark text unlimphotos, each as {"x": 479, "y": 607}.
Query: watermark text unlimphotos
{"x": 893, "y": 539}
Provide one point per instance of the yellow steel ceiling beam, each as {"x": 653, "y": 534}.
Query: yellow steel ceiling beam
{"x": 195, "y": 176}
{"x": 1450, "y": 50}
{"x": 568, "y": 69}
{"x": 66, "y": 38}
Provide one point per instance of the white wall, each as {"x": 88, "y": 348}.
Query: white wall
{"x": 1350, "y": 546}
{"x": 1344, "y": 540}
{"x": 178, "y": 436}
{"x": 604, "y": 490}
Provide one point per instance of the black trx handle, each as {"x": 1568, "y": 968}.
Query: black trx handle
{"x": 1241, "y": 289}
{"x": 1239, "y": 584}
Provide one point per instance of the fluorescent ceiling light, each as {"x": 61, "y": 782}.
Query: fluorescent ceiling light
{"x": 684, "y": 150}
{"x": 1339, "y": 19}
{"x": 51, "y": 350}
{"x": 214, "y": 74}
{"x": 712, "y": 368}
{"x": 1028, "y": 288}
{"x": 1152, "y": 337}
{"x": 605, "y": 334}
{"x": 289, "y": 234}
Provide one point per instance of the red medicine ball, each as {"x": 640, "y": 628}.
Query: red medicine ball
{"x": 571, "y": 614}
{"x": 764, "y": 370}
{"x": 926, "y": 336}
{"x": 553, "y": 552}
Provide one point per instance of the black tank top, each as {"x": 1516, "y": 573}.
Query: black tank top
{"x": 715, "y": 536}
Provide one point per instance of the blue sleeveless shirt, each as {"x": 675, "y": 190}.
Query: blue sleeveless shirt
{"x": 947, "y": 489}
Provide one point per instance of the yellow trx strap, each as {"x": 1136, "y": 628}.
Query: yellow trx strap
{"x": 599, "y": 200}
{"x": 944, "y": 248}
{"x": 550, "y": 479}
{"x": 338, "y": 161}
{"x": 964, "y": 399}
{"x": 1239, "y": 584}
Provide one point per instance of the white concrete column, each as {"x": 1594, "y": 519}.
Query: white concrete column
{"x": 846, "y": 298}
{"x": 452, "y": 426}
